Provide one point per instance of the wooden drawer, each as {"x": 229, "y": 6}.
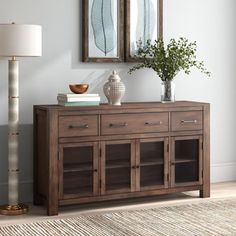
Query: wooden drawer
{"x": 186, "y": 120}
{"x": 134, "y": 123}
{"x": 71, "y": 126}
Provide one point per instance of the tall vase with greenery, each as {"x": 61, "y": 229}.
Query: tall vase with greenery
{"x": 178, "y": 55}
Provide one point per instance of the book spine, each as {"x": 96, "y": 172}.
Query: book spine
{"x": 93, "y": 99}
{"x": 71, "y": 104}
{"x": 73, "y": 95}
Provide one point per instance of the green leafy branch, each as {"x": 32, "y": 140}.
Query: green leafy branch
{"x": 167, "y": 62}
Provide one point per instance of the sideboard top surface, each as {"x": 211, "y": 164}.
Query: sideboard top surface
{"x": 127, "y": 105}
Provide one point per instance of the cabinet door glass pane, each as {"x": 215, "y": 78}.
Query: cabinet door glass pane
{"x": 78, "y": 170}
{"x": 118, "y": 164}
{"x": 186, "y": 160}
{"x": 152, "y": 152}
{"x": 151, "y": 163}
{"x": 79, "y": 183}
{"x": 151, "y": 175}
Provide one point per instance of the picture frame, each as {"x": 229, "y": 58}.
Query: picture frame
{"x": 139, "y": 18}
{"x": 102, "y": 29}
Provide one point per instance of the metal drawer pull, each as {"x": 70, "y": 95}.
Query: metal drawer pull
{"x": 188, "y": 121}
{"x": 153, "y": 123}
{"x": 118, "y": 125}
{"x": 85, "y": 126}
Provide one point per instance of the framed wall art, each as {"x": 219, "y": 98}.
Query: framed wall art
{"x": 103, "y": 27}
{"x": 144, "y": 21}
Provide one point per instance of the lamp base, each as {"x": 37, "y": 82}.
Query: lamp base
{"x": 14, "y": 210}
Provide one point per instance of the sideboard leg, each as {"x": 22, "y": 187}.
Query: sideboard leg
{"x": 204, "y": 193}
{"x": 52, "y": 209}
{"x": 53, "y": 180}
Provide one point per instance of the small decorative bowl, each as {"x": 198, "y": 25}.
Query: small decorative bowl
{"x": 78, "y": 88}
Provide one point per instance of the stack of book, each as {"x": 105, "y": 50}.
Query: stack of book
{"x": 72, "y": 99}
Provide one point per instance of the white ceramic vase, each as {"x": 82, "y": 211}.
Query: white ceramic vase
{"x": 114, "y": 89}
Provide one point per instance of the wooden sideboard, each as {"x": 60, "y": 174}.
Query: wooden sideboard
{"x": 91, "y": 154}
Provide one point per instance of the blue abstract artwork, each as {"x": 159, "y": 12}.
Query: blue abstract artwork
{"x": 104, "y": 33}
{"x": 143, "y": 19}
{"x": 146, "y": 19}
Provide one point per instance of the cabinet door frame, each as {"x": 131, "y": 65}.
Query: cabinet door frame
{"x": 103, "y": 166}
{"x": 95, "y": 146}
{"x": 172, "y": 161}
{"x": 165, "y": 163}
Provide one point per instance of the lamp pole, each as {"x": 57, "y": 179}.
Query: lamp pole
{"x": 13, "y": 207}
{"x": 25, "y": 41}
{"x": 13, "y": 131}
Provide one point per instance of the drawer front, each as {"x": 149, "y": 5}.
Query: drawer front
{"x": 187, "y": 120}
{"x": 134, "y": 123}
{"x": 72, "y": 126}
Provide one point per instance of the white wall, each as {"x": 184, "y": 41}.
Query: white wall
{"x": 210, "y": 22}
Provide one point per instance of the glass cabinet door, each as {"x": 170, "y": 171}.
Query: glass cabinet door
{"x": 79, "y": 165}
{"x": 152, "y": 164}
{"x": 117, "y": 160}
{"x": 186, "y": 162}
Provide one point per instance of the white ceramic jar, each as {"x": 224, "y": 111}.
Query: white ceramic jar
{"x": 114, "y": 89}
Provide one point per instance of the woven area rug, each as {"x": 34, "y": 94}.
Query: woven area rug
{"x": 213, "y": 217}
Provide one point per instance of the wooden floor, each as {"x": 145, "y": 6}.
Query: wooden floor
{"x": 219, "y": 190}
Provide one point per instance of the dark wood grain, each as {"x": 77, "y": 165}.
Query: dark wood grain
{"x": 129, "y": 195}
{"x": 187, "y": 161}
{"x": 191, "y": 120}
{"x": 104, "y": 165}
{"x": 167, "y": 161}
{"x": 182, "y": 105}
{"x": 72, "y": 126}
{"x": 78, "y": 166}
{"x": 52, "y": 149}
{"x": 134, "y": 123}
{"x": 205, "y": 192}
{"x": 127, "y": 136}
{"x": 121, "y": 152}
{"x": 40, "y": 155}
{"x": 161, "y": 18}
{"x": 152, "y": 174}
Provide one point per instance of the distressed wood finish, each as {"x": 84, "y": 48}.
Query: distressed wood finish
{"x": 134, "y": 123}
{"x": 173, "y": 161}
{"x": 108, "y": 163}
{"x": 129, "y": 175}
{"x": 40, "y": 154}
{"x": 205, "y": 192}
{"x": 92, "y": 168}
{"x": 71, "y": 126}
{"x": 191, "y": 120}
{"x": 130, "y": 195}
{"x": 53, "y": 178}
{"x": 156, "y": 163}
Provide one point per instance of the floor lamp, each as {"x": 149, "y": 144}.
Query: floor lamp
{"x": 16, "y": 41}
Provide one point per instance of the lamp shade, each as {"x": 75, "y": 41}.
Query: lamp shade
{"x": 20, "y": 40}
